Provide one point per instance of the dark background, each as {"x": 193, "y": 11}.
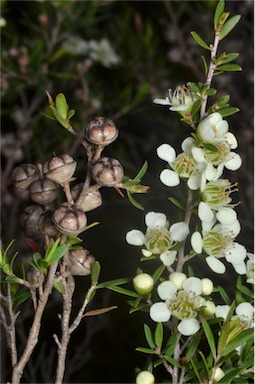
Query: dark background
{"x": 156, "y": 51}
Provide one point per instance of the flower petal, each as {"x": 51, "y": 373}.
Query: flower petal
{"x": 179, "y": 231}
{"x": 177, "y": 278}
{"x": 168, "y": 257}
{"x": 155, "y": 219}
{"x": 216, "y": 265}
{"x": 165, "y": 101}
{"x": 159, "y": 312}
{"x": 240, "y": 268}
{"x": 222, "y": 311}
{"x": 205, "y": 213}
{"x": 234, "y": 162}
{"x": 166, "y": 152}
{"x": 169, "y": 178}
{"x": 226, "y": 216}
{"x": 245, "y": 311}
{"x": 236, "y": 254}
{"x": 187, "y": 145}
{"x": 197, "y": 242}
{"x": 135, "y": 237}
{"x": 192, "y": 284}
{"x": 167, "y": 290}
{"x": 188, "y": 327}
{"x": 198, "y": 154}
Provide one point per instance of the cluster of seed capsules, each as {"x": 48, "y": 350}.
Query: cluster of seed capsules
{"x": 44, "y": 181}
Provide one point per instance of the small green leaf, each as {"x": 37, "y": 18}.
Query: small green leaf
{"x": 142, "y": 171}
{"x": 192, "y": 347}
{"x": 240, "y": 339}
{"x": 146, "y": 350}
{"x": 149, "y": 336}
{"x": 7, "y": 269}
{"x": 228, "y": 111}
{"x": 51, "y": 249}
{"x": 222, "y": 342}
{"x": 134, "y": 202}
{"x": 59, "y": 287}
{"x": 156, "y": 275}
{"x": 11, "y": 279}
{"x": 199, "y": 40}
{"x": 95, "y": 273}
{"x": 61, "y": 105}
{"x": 223, "y": 294}
{"x": 229, "y": 375}
{"x": 158, "y": 335}
{"x": 123, "y": 291}
{"x": 172, "y": 361}
{"x": 195, "y": 107}
{"x": 209, "y": 336}
{"x": 229, "y": 25}
{"x": 204, "y": 65}
{"x": 204, "y": 362}
{"x": 59, "y": 252}
{"x": 110, "y": 283}
{"x": 177, "y": 203}
{"x": 59, "y": 118}
{"x": 229, "y": 57}
{"x": 70, "y": 114}
{"x": 218, "y": 12}
{"x": 229, "y": 68}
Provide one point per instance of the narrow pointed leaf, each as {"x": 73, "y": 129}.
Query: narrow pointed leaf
{"x": 95, "y": 273}
{"x": 192, "y": 347}
{"x": 59, "y": 252}
{"x": 159, "y": 335}
{"x": 100, "y": 311}
{"x": 149, "y": 336}
{"x": 228, "y": 111}
{"x": 61, "y": 105}
{"x": 156, "y": 275}
{"x": 199, "y": 40}
{"x": 209, "y": 336}
{"x": 229, "y": 67}
{"x": 142, "y": 171}
{"x": 229, "y": 25}
{"x": 110, "y": 283}
{"x": 177, "y": 203}
{"x": 218, "y": 12}
{"x": 59, "y": 287}
{"x": 134, "y": 202}
{"x": 229, "y": 57}
{"x": 240, "y": 339}
{"x": 51, "y": 249}
{"x": 146, "y": 350}
{"x": 123, "y": 291}
{"x": 204, "y": 65}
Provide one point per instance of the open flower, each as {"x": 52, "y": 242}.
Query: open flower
{"x": 158, "y": 238}
{"x": 180, "y": 301}
{"x": 183, "y": 165}
{"x": 181, "y": 100}
{"x": 103, "y": 52}
{"x": 250, "y": 268}
{"x": 218, "y": 242}
{"x": 244, "y": 311}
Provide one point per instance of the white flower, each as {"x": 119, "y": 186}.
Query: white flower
{"x": 182, "y": 301}
{"x": 181, "y": 100}
{"x": 76, "y": 45}
{"x": 158, "y": 238}
{"x": 103, "y": 52}
{"x": 183, "y": 166}
{"x": 218, "y": 242}
{"x": 222, "y": 311}
{"x": 168, "y": 257}
{"x": 212, "y": 129}
{"x": 245, "y": 312}
{"x": 145, "y": 377}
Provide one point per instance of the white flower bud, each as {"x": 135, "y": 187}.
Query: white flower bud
{"x": 143, "y": 283}
{"x": 218, "y": 374}
{"x": 207, "y": 286}
{"x": 209, "y": 308}
{"x": 145, "y": 377}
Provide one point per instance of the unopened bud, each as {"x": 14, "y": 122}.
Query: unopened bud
{"x": 143, "y": 283}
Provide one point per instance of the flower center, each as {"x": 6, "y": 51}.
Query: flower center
{"x": 216, "y": 157}
{"x": 184, "y": 165}
{"x": 184, "y": 306}
{"x": 158, "y": 240}
{"x": 215, "y": 243}
{"x": 216, "y": 193}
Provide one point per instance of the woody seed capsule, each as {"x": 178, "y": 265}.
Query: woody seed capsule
{"x": 46, "y": 225}
{"x": 80, "y": 262}
{"x": 69, "y": 219}
{"x": 101, "y": 131}
{"x": 107, "y": 172}
{"x": 43, "y": 191}
{"x": 60, "y": 168}
{"x": 24, "y": 175}
{"x": 92, "y": 198}
{"x": 29, "y": 219}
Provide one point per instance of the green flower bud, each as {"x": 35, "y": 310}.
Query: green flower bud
{"x": 143, "y": 283}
